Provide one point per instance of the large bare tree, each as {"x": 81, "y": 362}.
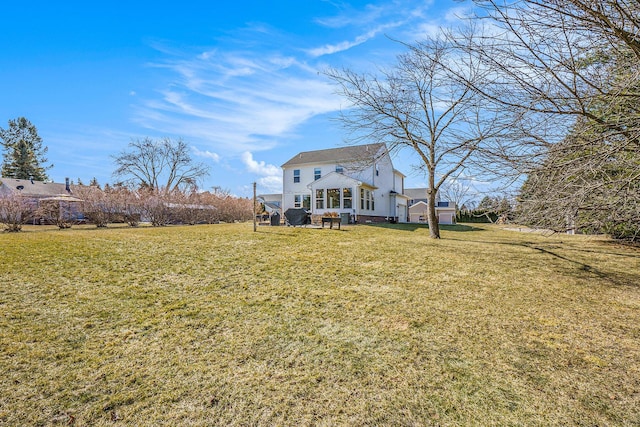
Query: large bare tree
{"x": 164, "y": 164}
{"x": 569, "y": 71}
{"x": 417, "y": 105}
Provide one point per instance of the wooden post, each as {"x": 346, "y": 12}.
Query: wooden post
{"x": 254, "y": 207}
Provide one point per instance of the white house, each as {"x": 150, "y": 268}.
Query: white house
{"x": 356, "y": 180}
{"x": 445, "y": 211}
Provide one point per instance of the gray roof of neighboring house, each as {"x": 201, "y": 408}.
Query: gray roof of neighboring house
{"x": 270, "y": 197}
{"x": 272, "y": 206}
{"x": 33, "y": 188}
{"x": 336, "y": 155}
{"x": 416, "y": 193}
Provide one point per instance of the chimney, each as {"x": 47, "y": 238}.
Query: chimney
{"x": 66, "y": 185}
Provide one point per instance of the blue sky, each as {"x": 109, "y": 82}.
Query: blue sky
{"x": 241, "y": 81}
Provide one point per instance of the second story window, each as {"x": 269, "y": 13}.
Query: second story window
{"x": 339, "y": 169}
{"x": 317, "y": 174}
{"x": 296, "y": 175}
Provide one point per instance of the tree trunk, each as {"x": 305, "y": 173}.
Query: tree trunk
{"x": 434, "y": 227}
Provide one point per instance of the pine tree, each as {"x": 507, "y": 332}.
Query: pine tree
{"x": 24, "y": 155}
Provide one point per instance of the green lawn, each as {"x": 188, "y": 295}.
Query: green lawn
{"x": 368, "y": 325}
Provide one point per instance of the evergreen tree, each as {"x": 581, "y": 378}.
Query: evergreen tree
{"x": 24, "y": 155}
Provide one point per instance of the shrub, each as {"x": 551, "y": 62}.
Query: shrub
{"x": 14, "y": 211}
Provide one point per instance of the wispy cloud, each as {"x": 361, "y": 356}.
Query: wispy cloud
{"x": 349, "y": 16}
{"x": 237, "y": 101}
{"x": 232, "y": 97}
{"x": 207, "y": 154}
{"x": 329, "y": 49}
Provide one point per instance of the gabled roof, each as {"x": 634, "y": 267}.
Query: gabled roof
{"x": 341, "y": 176}
{"x": 30, "y": 188}
{"x": 352, "y": 153}
{"x": 420, "y": 203}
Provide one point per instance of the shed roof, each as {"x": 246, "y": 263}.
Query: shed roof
{"x": 336, "y": 155}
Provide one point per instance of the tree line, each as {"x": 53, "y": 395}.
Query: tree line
{"x": 157, "y": 182}
{"x": 543, "y": 94}
{"x": 121, "y": 204}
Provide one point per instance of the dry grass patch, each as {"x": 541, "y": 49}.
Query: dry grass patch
{"x": 217, "y": 325}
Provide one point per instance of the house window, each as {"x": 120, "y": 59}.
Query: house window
{"x": 346, "y": 198}
{"x": 302, "y": 201}
{"x": 333, "y": 198}
{"x": 366, "y": 200}
{"x": 317, "y": 174}
{"x": 296, "y": 175}
{"x": 320, "y": 199}
{"x": 339, "y": 169}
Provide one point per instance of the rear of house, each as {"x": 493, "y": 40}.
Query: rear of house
{"x": 359, "y": 183}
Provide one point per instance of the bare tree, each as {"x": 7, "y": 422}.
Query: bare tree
{"x": 164, "y": 164}
{"x": 14, "y": 211}
{"x": 455, "y": 191}
{"x": 417, "y": 105}
{"x": 155, "y": 206}
{"x": 191, "y": 207}
{"x": 568, "y": 71}
{"x": 98, "y": 206}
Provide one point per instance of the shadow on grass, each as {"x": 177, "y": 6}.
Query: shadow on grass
{"x": 414, "y": 227}
{"x": 581, "y": 270}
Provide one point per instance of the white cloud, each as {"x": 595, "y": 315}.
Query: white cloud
{"x": 271, "y": 175}
{"x": 237, "y": 101}
{"x": 208, "y": 154}
{"x": 250, "y": 93}
{"x": 329, "y": 49}
{"x": 260, "y": 168}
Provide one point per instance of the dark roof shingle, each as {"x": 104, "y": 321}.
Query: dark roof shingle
{"x": 336, "y": 155}
{"x": 33, "y": 188}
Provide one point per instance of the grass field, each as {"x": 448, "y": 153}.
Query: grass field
{"x": 368, "y": 325}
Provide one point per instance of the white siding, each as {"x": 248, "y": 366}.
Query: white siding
{"x": 380, "y": 178}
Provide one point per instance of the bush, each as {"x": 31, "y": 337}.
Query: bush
{"x": 14, "y": 211}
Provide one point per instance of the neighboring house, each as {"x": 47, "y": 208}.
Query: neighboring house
{"x": 35, "y": 192}
{"x": 272, "y": 203}
{"x": 357, "y": 182}
{"x": 445, "y": 211}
